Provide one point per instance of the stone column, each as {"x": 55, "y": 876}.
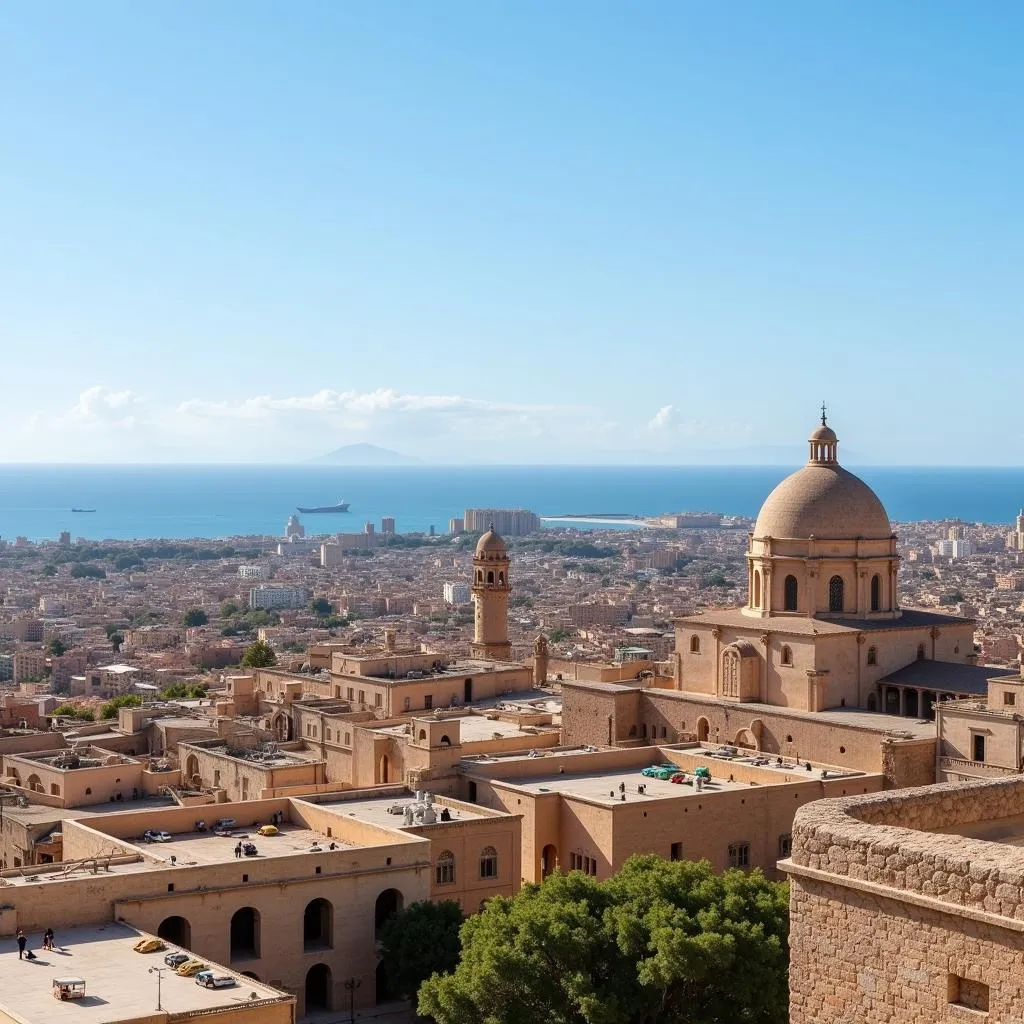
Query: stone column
{"x": 903, "y": 701}
{"x": 920, "y": 703}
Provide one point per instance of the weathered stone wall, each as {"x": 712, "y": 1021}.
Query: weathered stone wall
{"x": 887, "y": 915}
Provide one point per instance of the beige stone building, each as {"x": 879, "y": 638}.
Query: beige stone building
{"x": 491, "y": 587}
{"x": 907, "y": 907}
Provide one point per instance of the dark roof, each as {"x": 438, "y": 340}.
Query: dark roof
{"x": 947, "y": 675}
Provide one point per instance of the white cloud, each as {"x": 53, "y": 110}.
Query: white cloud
{"x": 664, "y": 419}
{"x": 102, "y": 405}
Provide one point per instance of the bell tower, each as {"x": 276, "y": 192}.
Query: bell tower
{"x": 491, "y": 587}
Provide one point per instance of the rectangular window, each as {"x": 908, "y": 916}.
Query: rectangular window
{"x": 348, "y": 739}
{"x": 328, "y": 733}
{"x": 977, "y": 747}
{"x": 362, "y": 696}
{"x": 349, "y": 692}
{"x": 1009, "y": 699}
{"x": 407, "y": 703}
{"x": 677, "y": 851}
{"x": 966, "y": 992}
{"x": 785, "y": 845}
{"x": 428, "y": 702}
{"x": 739, "y": 855}
{"x": 378, "y": 700}
{"x": 574, "y": 861}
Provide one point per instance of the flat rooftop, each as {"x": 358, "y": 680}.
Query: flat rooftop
{"x": 377, "y": 810}
{"x": 477, "y": 728}
{"x": 118, "y": 984}
{"x": 36, "y": 813}
{"x": 604, "y": 787}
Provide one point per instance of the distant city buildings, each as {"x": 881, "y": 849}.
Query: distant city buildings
{"x": 250, "y": 572}
{"x": 456, "y": 593}
{"x": 293, "y": 528}
{"x": 278, "y": 597}
{"x": 509, "y": 522}
{"x": 387, "y": 526}
{"x": 456, "y": 526}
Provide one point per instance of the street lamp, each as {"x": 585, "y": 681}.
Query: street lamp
{"x": 159, "y": 972}
{"x": 351, "y": 985}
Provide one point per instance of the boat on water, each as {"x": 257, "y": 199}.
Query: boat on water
{"x": 342, "y": 506}
{"x": 83, "y": 510}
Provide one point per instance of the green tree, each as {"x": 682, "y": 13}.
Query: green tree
{"x": 259, "y": 655}
{"x": 74, "y": 711}
{"x": 126, "y": 700}
{"x": 116, "y": 639}
{"x": 194, "y": 617}
{"x": 48, "y": 570}
{"x": 228, "y": 609}
{"x": 556, "y": 636}
{"x": 81, "y": 572}
{"x": 420, "y": 941}
{"x": 56, "y": 647}
{"x": 320, "y": 606}
{"x": 659, "y": 943}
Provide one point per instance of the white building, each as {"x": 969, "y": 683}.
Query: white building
{"x": 278, "y": 597}
{"x": 954, "y": 548}
{"x": 250, "y": 572}
{"x": 456, "y": 593}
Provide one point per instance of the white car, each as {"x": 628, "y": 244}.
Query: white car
{"x": 210, "y": 980}
{"x": 152, "y": 835}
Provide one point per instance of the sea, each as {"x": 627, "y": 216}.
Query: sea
{"x": 133, "y": 501}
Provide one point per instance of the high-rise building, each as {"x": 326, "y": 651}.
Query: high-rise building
{"x": 64, "y": 540}
{"x": 491, "y": 587}
{"x": 293, "y": 528}
{"x": 456, "y": 526}
{"x": 368, "y": 529}
{"x": 456, "y": 593}
{"x": 387, "y": 526}
{"x": 278, "y": 597}
{"x": 510, "y": 522}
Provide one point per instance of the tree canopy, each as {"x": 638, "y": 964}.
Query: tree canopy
{"x": 259, "y": 654}
{"x": 56, "y": 647}
{"x": 126, "y": 700}
{"x": 194, "y": 617}
{"x": 320, "y": 606}
{"x": 419, "y": 941}
{"x": 659, "y": 943}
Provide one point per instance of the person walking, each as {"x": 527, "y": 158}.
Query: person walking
{"x": 48, "y": 939}
{"x": 21, "y": 944}
{"x": 238, "y": 851}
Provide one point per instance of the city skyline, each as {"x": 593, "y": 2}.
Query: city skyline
{"x": 510, "y": 234}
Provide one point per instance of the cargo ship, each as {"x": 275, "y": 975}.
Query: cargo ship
{"x": 342, "y": 506}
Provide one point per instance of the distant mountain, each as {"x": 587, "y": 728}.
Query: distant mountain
{"x": 365, "y": 455}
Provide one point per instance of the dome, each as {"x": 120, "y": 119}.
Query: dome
{"x": 491, "y": 544}
{"x": 824, "y": 433}
{"x": 823, "y": 501}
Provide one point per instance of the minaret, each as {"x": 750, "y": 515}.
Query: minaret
{"x": 540, "y": 660}
{"x": 491, "y": 588}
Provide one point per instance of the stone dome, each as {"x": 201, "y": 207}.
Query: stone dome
{"x": 491, "y": 544}
{"x": 823, "y": 500}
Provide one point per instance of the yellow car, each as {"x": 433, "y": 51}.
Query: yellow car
{"x": 268, "y": 830}
{"x": 190, "y": 968}
{"x": 148, "y": 946}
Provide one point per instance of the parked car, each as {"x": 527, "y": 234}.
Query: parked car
{"x": 154, "y": 835}
{"x": 190, "y": 968}
{"x": 175, "y": 960}
{"x": 210, "y": 980}
{"x": 149, "y": 946}
{"x": 225, "y": 823}
{"x": 268, "y": 830}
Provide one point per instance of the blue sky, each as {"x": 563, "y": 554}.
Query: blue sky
{"x": 529, "y": 231}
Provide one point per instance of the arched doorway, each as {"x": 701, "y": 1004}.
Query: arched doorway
{"x": 317, "y": 925}
{"x": 245, "y": 934}
{"x": 745, "y": 739}
{"x": 177, "y": 930}
{"x": 282, "y": 728}
{"x": 385, "y": 769}
{"x": 548, "y": 860}
{"x": 703, "y": 729}
{"x": 191, "y": 767}
{"x": 318, "y": 988}
{"x": 389, "y": 903}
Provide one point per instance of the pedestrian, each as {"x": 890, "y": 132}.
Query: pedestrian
{"x": 48, "y": 939}
{"x": 238, "y": 851}
{"x": 21, "y": 944}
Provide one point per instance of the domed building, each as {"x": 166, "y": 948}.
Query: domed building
{"x": 822, "y": 627}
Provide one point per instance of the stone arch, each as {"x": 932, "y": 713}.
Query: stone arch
{"x": 191, "y": 767}
{"x": 281, "y": 727}
{"x": 745, "y": 739}
{"x": 34, "y": 783}
{"x": 876, "y": 593}
{"x": 445, "y": 741}
{"x": 245, "y": 934}
{"x": 319, "y": 988}
{"x": 703, "y": 730}
{"x": 444, "y": 868}
{"x": 790, "y": 593}
{"x": 423, "y": 735}
{"x": 388, "y": 903}
{"x": 318, "y": 924}
{"x": 786, "y": 655}
{"x": 176, "y": 930}
{"x": 384, "y": 772}
{"x": 490, "y": 576}
{"x": 548, "y": 860}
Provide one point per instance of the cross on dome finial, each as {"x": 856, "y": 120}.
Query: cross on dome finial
{"x": 824, "y": 421}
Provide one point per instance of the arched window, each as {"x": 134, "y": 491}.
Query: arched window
{"x": 876, "y": 592}
{"x": 479, "y": 575}
{"x": 489, "y": 862}
{"x": 787, "y": 655}
{"x": 695, "y": 644}
{"x": 490, "y": 577}
{"x": 757, "y": 589}
{"x": 423, "y": 735}
{"x": 501, "y": 577}
{"x": 872, "y": 655}
{"x": 789, "y": 594}
{"x": 920, "y": 652}
{"x": 444, "y": 869}
{"x": 835, "y": 594}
